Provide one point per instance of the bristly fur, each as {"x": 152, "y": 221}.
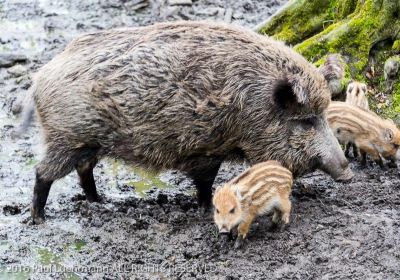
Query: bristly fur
{"x": 356, "y": 95}
{"x": 137, "y": 94}
{"x": 370, "y": 133}
{"x": 183, "y": 95}
{"x": 261, "y": 189}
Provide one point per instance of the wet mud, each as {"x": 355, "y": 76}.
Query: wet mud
{"x": 148, "y": 226}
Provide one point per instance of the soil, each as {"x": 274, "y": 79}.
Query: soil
{"x": 148, "y": 226}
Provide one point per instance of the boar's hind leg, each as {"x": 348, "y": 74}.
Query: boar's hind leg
{"x": 203, "y": 178}
{"x": 56, "y": 164}
{"x": 85, "y": 172}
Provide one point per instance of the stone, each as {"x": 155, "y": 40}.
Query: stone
{"x": 9, "y": 59}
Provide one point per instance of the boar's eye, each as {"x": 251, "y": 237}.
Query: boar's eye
{"x": 232, "y": 211}
{"x": 216, "y": 210}
{"x": 396, "y": 146}
{"x": 309, "y": 123}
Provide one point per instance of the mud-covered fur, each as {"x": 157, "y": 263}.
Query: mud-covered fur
{"x": 370, "y": 133}
{"x": 261, "y": 189}
{"x": 185, "y": 96}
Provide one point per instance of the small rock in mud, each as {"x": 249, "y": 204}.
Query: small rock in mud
{"x": 136, "y": 5}
{"x": 391, "y": 68}
{"x": 162, "y": 198}
{"x": 9, "y": 59}
{"x": 179, "y": 2}
{"x": 177, "y": 217}
{"x": 11, "y": 210}
{"x": 17, "y": 70}
{"x": 125, "y": 188}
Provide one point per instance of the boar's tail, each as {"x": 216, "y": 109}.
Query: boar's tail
{"x": 28, "y": 114}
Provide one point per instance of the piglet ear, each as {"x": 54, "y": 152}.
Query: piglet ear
{"x": 350, "y": 86}
{"x": 333, "y": 68}
{"x": 288, "y": 92}
{"x": 238, "y": 194}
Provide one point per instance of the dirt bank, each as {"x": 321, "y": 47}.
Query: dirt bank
{"x": 148, "y": 227}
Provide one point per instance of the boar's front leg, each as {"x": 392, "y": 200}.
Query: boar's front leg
{"x": 363, "y": 158}
{"x": 392, "y": 162}
{"x": 203, "y": 176}
{"x": 40, "y": 194}
{"x": 244, "y": 227}
{"x": 347, "y": 149}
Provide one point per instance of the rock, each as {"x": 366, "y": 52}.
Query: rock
{"x": 208, "y": 12}
{"x": 391, "y": 68}
{"x": 221, "y": 13}
{"x": 248, "y": 6}
{"x": 9, "y": 59}
{"x": 17, "y": 70}
{"x": 16, "y": 107}
{"x": 228, "y": 15}
{"x": 136, "y": 5}
{"x": 238, "y": 15}
{"x": 179, "y": 2}
{"x": 11, "y": 210}
{"x": 116, "y": 4}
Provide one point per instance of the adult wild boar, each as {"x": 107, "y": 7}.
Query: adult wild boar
{"x": 184, "y": 96}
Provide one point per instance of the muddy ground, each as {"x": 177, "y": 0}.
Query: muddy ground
{"x": 148, "y": 226}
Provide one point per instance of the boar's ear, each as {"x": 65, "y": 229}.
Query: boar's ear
{"x": 388, "y": 135}
{"x": 333, "y": 68}
{"x": 364, "y": 88}
{"x": 289, "y": 93}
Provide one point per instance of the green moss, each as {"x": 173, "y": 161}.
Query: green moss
{"x": 396, "y": 46}
{"x": 302, "y": 19}
{"x": 79, "y": 244}
{"x": 299, "y": 20}
{"x": 351, "y": 37}
{"x": 146, "y": 180}
{"x": 345, "y": 8}
{"x": 394, "y": 109}
{"x": 351, "y": 28}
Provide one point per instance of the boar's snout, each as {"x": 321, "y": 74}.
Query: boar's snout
{"x": 332, "y": 160}
{"x": 337, "y": 166}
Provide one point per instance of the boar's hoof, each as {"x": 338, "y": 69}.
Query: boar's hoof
{"x": 93, "y": 198}
{"x": 37, "y": 218}
{"x": 346, "y": 176}
{"x": 392, "y": 164}
{"x": 239, "y": 243}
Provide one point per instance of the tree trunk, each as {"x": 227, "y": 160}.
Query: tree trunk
{"x": 364, "y": 32}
